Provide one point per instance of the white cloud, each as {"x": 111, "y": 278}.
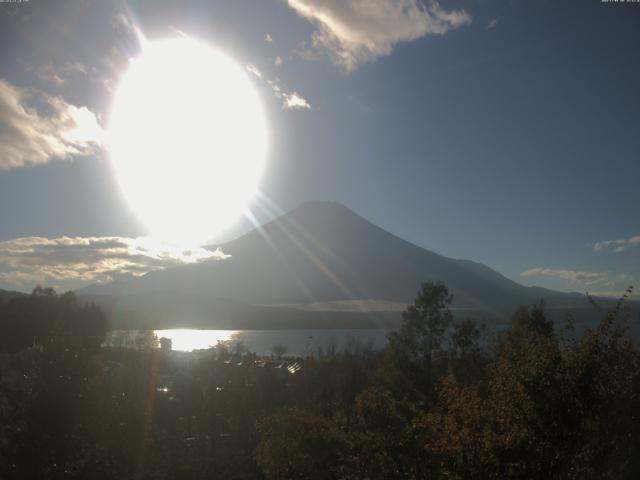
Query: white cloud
{"x": 492, "y": 23}
{"x": 251, "y": 68}
{"x": 268, "y": 38}
{"x": 36, "y": 128}
{"x": 122, "y": 23}
{"x": 571, "y": 275}
{"x": 617, "y": 246}
{"x": 291, "y": 101}
{"x": 48, "y": 74}
{"x": 294, "y": 101}
{"x": 305, "y": 52}
{"x": 82, "y": 260}
{"x": 359, "y": 31}
{"x": 59, "y": 76}
{"x": 278, "y": 61}
{"x": 75, "y": 67}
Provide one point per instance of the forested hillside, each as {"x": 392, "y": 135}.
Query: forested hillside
{"x": 444, "y": 400}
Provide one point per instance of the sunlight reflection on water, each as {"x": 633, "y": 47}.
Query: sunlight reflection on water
{"x": 262, "y": 342}
{"x": 295, "y": 342}
{"x": 187, "y": 340}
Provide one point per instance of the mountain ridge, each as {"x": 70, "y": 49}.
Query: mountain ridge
{"x": 6, "y": 295}
{"x": 324, "y": 253}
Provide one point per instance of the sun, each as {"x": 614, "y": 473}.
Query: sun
{"x": 187, "y": 138}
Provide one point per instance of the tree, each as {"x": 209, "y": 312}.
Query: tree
{"x": 534, "y": 320}
{"x": 298, "y": 444}
{"x": 166, "y": 344}
{"x": 278, "y": 351}
{"x": 544, "y": 408}
{"x": 239, "y": 348}
{"x": 221, "y": 350}
{"x": 146, "y": 339}
{"x": 41, "y": 291}
{"x": 465, "y": 337}
{"x": 420, "y": 336}
{"x": 51, "y": 409}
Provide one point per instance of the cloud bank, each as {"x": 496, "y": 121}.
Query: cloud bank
{"x": 31, "y": 260}
{"x": 354, "y": 32}
{"x": 617, "y": 246}
{"x": 36, "y": 128}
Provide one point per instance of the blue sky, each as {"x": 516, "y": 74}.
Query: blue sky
{"x": 499, "y": 131}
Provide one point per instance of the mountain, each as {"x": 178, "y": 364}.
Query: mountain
{"x": 6, "y": 295}
{"x": 322, "y": 253}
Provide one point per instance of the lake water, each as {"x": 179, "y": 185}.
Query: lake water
{"x": 295, "y": 342}
{"x": 262, "y": 342}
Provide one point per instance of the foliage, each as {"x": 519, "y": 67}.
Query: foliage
{"x": 442, "y": 401}
{"x": 44, "y": 315}
{"x": 420, "y": 336}
{"x": 299, "y": 444}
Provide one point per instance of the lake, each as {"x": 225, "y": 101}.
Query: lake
{"x": 296, "y": 342}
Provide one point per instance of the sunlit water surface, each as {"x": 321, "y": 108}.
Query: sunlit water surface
{"x": 262, "y": 342}
{"x": 295, "y": 342}
{"x": 187, "y": 339}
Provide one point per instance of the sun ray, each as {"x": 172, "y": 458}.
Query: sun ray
{"x": 303, "y": 288}
{"x": 295, "y": 231}
{"x": 315, "y": 260}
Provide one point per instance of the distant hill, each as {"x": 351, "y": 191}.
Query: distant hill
{"x": 320, "y": 253}
{"x": 6, "y": 295}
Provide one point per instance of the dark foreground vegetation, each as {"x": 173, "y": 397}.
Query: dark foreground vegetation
{"x": 442, "y": 401}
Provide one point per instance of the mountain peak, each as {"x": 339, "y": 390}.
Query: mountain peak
{"x": 321, "y": 207}
{"x": 329, "y": 217}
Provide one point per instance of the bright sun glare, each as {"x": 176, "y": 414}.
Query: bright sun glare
{"x": 188, "y": 139}
{"x": 187, "y": 340}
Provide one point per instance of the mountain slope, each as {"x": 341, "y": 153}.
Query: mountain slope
{"x": 6, "y": 295}
{"x": 324, "y": 252}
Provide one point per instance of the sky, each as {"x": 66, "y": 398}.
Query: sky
{"x": 505, "y": 132}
